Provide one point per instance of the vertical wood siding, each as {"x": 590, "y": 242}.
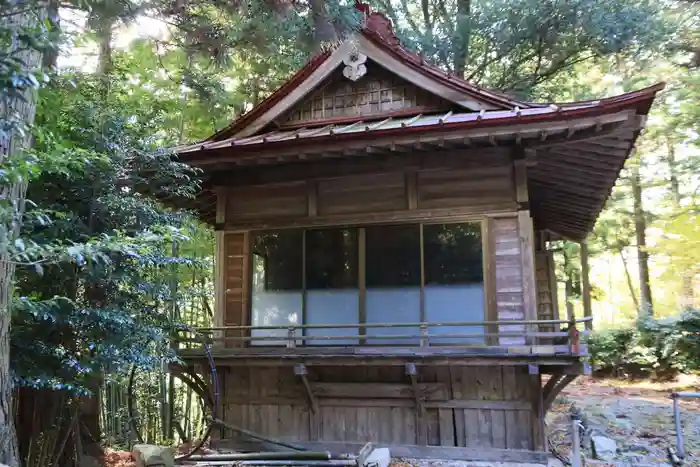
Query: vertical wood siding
{"x": 509, "y": 277}
{"x": 500, "y": 411}
{"x": 547, "y": 307}
{"x": 236, "y": 291}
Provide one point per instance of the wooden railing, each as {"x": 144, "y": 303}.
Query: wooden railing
{"x": 494, "y": 334}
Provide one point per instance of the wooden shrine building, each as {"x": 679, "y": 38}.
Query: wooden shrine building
{"x": 382, "y": 265}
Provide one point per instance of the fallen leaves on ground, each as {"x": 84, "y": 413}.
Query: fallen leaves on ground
{"x": 118, "y": 459}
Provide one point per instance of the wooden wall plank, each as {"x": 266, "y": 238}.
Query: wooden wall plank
{"x": 538, "y": 429}
{"x": 511, "y": 417}
{"x": 456, "y": 386}
{"x": 464, "y": 187}
{"x": 236, "y": 256}
{"x": 508, "y": 276}
{"x": 470, "y": 391}
{"x": 285, "y": 200}
{"x": 524, "y": 423}
{"x": 432, "y": 391}
{"x": 527, "y": 251}
{"x": 484, "y": 391}
{"x": 361, "y": 194}
{"x": 493, "y": 404}
{"x": 445, "y": 416}
{"x": 498, "y": 417}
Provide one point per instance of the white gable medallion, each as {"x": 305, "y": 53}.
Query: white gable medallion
{"x": 355, "y": 67}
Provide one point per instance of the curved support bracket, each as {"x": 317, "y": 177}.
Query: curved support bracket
{"x": 557, "y": 382}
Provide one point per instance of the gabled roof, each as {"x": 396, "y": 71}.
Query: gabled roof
{"x": 377, "y": 40}
{"x": 456, "y": 125}
{"x": 574, "y": 150}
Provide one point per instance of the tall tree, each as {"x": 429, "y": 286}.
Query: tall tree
{"x": 515, "y": 46}
{"x": 22, "y": 29}
{"x": 640, "y": 227}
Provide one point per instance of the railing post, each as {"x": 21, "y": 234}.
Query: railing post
{"x": 291, "y": 335}
{"x": 424, "y": 338}
{"x": 574, "y": 337}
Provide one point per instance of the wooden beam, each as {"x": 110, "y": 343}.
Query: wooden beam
{"x": 554, "y": 386}
{"x": 421, "y": 425}
{"x": 467, "y": 213}
{"x": 440, "y": 452}
{"x": 429, "y": 391}
{"x": 302, "y": 372}
{"x": 362, "y": 281}
{"x": 539, "y": 434}
{"x": 586, "y": 286}
{"x": 489, "y": 259}
{"x": 219, "y": 278}
{"x": 312, "y": 198}
{"x": 377, "y": 164}
{"x": 411, "y": 190}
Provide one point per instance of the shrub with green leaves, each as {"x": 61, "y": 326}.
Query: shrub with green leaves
{"x": 651, "y": 347}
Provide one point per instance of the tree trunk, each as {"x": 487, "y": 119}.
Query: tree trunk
{"x": 687, "y": 289}
{"x": 50, "y": 59}
{"x": 462, "y": 37}
{"x": 12, "y": 193}
{"x": 104, "y": 57}
{"x": 568, "y": 287}
{"x": 324, "y": 31}
{"x": 640, "y": 226}
{"x": 630, "y": 285}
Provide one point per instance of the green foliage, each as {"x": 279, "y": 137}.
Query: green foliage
{"x": 517, "y": 45}
{"x": 651, "y": 347}
{"x": 93, "y": 290}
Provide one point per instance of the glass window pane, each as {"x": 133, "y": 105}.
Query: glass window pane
{"x": 336, "y": 306}
{"x": 393, "y": 305}
{"x": 279, "y": 260}
{"x": 453, "y": 254}
{"x": 393, "y": 281}
{"x": 277, "y": 283}
{"x": 454, "y": 277}
{"x": 332, "y": 295}
{"x": 393, "y": 256}
{"x": 331, "y": 259}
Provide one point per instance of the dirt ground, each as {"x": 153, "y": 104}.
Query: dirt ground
{"x": 637, "y": 415}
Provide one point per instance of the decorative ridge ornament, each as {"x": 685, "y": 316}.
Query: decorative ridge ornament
{"x": 355, "y": 67}
{"x": 378, "y": 23}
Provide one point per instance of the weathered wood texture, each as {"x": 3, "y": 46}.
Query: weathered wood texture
{"x": 374, "y": 194}
{"x": 547, "y": 307}
{"x": 509, "y": 277}
{"x": 379, "y": 91}
{"x": 482, "y": 407}
{"x": 236, "y": 253}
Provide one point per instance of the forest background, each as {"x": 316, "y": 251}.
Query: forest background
{"x": 96, "y": 274}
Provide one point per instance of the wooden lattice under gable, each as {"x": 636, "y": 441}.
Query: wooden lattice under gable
{"x": 378, "y": 93}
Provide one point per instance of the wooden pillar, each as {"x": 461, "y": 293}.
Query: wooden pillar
{"x": 526, "y": 236}
{"x": 586, "y": 286}
{"x": 220, "y": 261}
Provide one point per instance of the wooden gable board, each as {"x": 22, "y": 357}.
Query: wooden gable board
{"x": 359, "y": 43}
{"x": 377, "y": 94}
